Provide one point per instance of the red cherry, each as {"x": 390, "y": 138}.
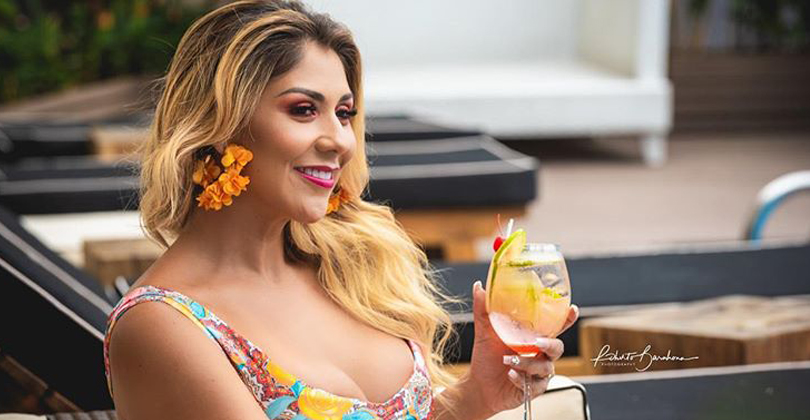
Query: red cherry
{"x": 498, "y": 242}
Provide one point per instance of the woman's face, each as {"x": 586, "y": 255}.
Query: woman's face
{"x": 302, "y": 123}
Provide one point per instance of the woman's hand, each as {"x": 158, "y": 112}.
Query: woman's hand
{"x": 491, "y": 380}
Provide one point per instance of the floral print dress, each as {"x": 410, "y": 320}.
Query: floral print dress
{"x": 281, "y": 395}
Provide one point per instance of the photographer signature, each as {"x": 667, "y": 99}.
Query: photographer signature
{"x": 605, "y": 355}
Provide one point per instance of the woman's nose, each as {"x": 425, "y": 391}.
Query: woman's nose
{"x": 336, "y": 137}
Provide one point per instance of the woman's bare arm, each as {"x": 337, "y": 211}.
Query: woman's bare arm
{"x": 164, "y": 367}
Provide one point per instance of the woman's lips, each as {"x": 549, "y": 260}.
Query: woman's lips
{"x": 325, "y": 183}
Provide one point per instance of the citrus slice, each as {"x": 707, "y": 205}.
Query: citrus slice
{"x": 508, "y": 251}
{"x": 541, "y": 260}
{"x": 511, "y": 247}
{"x": 552, "y": 293}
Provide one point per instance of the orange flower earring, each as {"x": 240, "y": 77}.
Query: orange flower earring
{"x": 221, "y": 185}
{"x": 336, "y": 200}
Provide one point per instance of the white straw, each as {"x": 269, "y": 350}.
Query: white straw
{"x": 509, "y": 227}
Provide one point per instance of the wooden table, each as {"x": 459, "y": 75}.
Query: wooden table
{"x": 107, "y": 259}
{"x": 455, "y": 231}
{"x": 111, "y": 142}
{"x": 730, "y": 330}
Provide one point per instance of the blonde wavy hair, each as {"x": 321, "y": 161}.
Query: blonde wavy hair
{"x": 365, "y": 259}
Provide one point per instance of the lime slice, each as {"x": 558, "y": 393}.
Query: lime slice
{"x": 510, "y": 249}
{"x": 520, "y": 263}
{"x": 531, "y": 294}
{"x": 551, "y": 293}
{"x": 541, "y": 259}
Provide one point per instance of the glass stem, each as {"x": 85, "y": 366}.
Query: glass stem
{"x": 527, "y": 402}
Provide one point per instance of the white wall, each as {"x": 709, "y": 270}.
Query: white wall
{"x": 457, "y": 31}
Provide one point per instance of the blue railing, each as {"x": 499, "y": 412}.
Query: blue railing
{"x": 771, "y": 196}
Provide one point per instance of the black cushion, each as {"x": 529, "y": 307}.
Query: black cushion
{"x": 450, "y": 172}
{"x": 767, "y": 391}
{"x": 54, "y": 316}
{"x": 68, "y": 184}
{"x": 42, "y": 139}
{"x": 39, "y": 135}
{"x": 404, "y": 127}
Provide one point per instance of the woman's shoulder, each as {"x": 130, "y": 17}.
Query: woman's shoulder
{"x": 152, "y": 328}
{"x": 135, "y": 322}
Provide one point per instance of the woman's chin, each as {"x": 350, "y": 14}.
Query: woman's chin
{"x": 312, "y": 215}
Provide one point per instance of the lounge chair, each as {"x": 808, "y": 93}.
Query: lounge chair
{"x": 55, "y": 316}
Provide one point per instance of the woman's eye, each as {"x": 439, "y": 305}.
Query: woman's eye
{"x": 302, "y": 110}
{"x": 347, "y": 113}
{"x": 308, "y": 110}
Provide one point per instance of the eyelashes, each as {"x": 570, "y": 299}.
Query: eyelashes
{"x": 307, "y": 110}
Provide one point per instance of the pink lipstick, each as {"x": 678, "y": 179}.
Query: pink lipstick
{"x": 325, "y": 183}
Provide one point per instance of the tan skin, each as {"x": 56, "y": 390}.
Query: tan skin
{"x": 231, "y": 261}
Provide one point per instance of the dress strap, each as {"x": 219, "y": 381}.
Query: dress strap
{"x": 419, "y": 356}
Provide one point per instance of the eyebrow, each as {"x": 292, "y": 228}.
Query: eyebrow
{"x": 313, "y": 94}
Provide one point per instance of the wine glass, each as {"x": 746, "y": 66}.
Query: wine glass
{"x": 528, "y": 296}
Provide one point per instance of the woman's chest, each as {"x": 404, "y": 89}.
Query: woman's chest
{"x": 311, "y": 338}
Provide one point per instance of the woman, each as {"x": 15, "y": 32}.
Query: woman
{"x": 254, "y": 169}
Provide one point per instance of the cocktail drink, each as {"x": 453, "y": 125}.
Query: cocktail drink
{"x": 528, "y": 295}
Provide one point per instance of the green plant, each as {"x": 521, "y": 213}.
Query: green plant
{"x": 775, "y": 24}
{"x": 784, "y": 23}
{"x": 49, "y": 45}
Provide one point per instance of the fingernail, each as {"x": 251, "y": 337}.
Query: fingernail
{"x": 509, "y": 360}
{"x": 543, "y": 343}
{"x": 477, "y": 285}
{"x": 514, "y": 376}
